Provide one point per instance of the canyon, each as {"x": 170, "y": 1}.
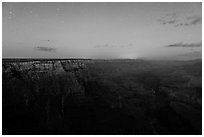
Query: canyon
{"x": 69, "y": 96}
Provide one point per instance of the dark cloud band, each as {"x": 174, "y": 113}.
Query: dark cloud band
{"x": 177, "y": 21}
{"x": 46, "y": 49}
{"x": 185, "y": 45}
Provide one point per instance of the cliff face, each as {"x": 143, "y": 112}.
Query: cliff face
{"x": 55, "y": 67}
{"x": 33, "y": 73}
{"x": 40, "y": 88}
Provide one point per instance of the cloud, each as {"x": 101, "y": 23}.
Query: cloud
{"x": 45, "y": 45}
{"x": 170, "y": 18}
{"x": 46, "y": 49}
{"x": 177, "y": 21}
{"x": 114, "y": 46}
{"x": 191, "y": 20}
{"x": 185, "y": 45}
{"x": 103, "y": 46}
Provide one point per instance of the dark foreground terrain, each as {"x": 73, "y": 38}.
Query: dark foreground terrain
{"x": 101, "y": 97}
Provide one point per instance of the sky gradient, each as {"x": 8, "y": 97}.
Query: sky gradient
{"x": 100, "y": 30}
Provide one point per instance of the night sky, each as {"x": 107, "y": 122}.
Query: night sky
{"x": 101, "y": 30}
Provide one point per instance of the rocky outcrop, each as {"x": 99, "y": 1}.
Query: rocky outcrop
{"x": 42, "y": 87}
{"x": 55, "y": 67}
{"x": 33, "y": 73}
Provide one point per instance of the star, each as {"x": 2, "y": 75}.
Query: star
{"x": 11, "y": 12}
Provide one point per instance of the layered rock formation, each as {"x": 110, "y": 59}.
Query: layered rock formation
{"x": 55, "y": 67}
{"x": 34, "y": 71}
